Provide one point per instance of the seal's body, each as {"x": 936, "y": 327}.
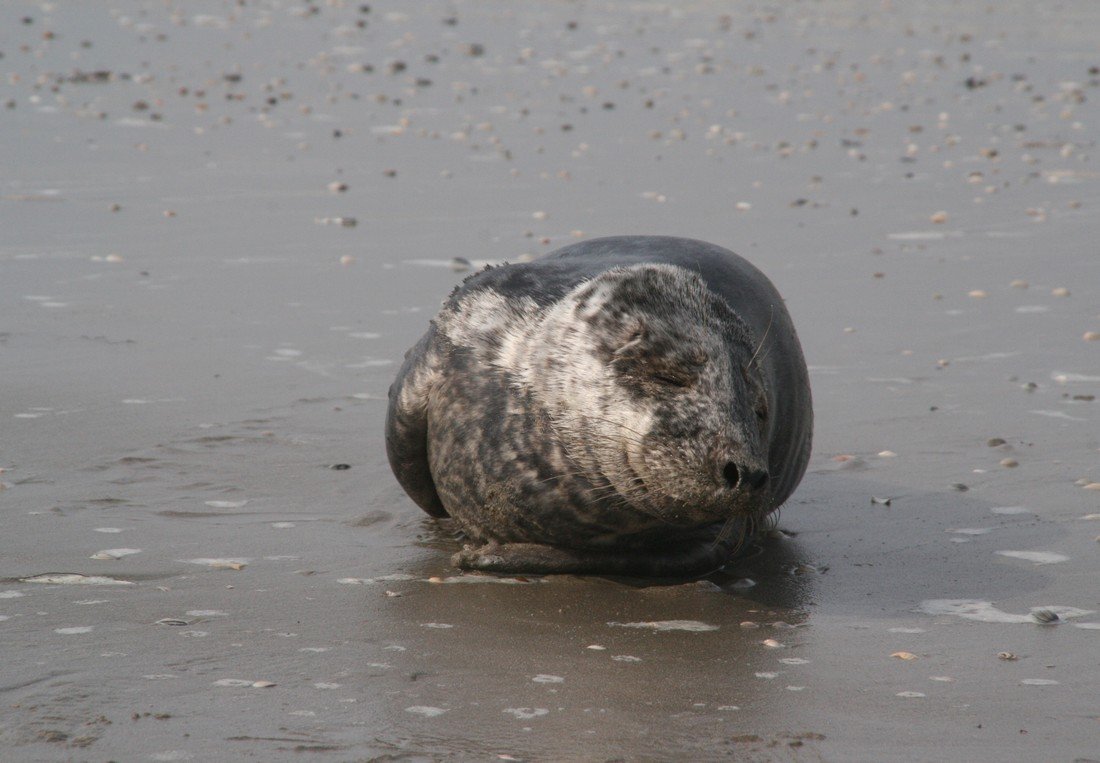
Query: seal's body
{"x": 629, "y": 405}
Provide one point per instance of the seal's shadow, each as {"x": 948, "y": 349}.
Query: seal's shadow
{"x": 772, "y": 570}
{"x": 835, "y": 546}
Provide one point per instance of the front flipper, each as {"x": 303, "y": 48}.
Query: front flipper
{"x": 692, "y": 559}
{"x": 407, "y": 424}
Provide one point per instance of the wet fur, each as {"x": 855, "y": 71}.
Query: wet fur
{"x": 574, "y": 414}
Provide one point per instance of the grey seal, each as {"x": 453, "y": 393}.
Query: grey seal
{"x": 633, "y": 405}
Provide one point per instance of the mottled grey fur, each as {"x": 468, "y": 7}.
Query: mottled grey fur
{"x": 629, "y": 405}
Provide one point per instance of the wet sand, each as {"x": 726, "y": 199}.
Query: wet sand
{"x": 194, "y": 334}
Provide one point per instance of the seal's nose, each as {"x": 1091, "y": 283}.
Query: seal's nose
{"x": 735, "y": 476}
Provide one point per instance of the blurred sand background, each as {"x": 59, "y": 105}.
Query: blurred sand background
{"x": 223, "y": 223}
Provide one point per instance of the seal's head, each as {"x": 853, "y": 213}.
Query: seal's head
{"x": 651, "y": 382}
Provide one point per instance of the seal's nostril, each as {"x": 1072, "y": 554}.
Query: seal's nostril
{"x": 731, "y": 475}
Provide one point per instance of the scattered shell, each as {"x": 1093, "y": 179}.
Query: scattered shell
{"x": 337, "y": 187}
{"x": 1009, "y": 462}
{"x": 543, "y": 678}
{"x": 749, "y": 624}
{"x": 881, "y": 501}
{"x": 1092, "y": 336}
{"x": 220, "y": 564}
{"x": 1007, "y": 656}
{"x": 978, "y": 293}
{"x": 1018, "y": 283}
{"x": 668, "y": 625}
{"x": 347, "y": 259}
{"x": 804, "y": 569}
{"x": 596, "y": 647}
{"x": 427, "y": 712}
{"x": 939, "y": 217}
{"x": 1061, "y": 291}
{"x": 994, "y": 442}
{"x": 526, "y": 713}
{"x": 1091, "y": 486}
{"x": 74, "y": 579}
{"x": 1038, "y": 557}
{"x": 1046, "y": 616}
{"x": 175, "y": 621}
{"x": 772, "y": 643}
{"x": 905, "y": 656}
{"x": 887, "y": 454}
{"x": 114, "y": 553}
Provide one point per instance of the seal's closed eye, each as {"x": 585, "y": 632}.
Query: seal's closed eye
{"x": 673, "y": 378}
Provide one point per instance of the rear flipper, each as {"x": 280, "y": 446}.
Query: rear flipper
{"x": 691, "y": 559}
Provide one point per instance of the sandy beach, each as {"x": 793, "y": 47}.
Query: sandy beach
{"x": 224, "y": 223}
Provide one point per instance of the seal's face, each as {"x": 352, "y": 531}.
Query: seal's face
{"x": 651, "y": 382}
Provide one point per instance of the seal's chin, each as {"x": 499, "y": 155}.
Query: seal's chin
{"x": 691, "y": 509}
